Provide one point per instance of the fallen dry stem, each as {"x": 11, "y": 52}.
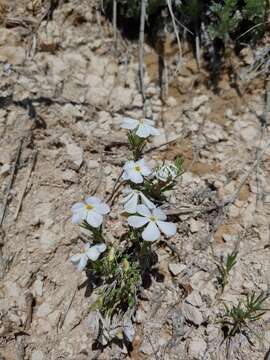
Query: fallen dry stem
{"x": 31, "y": 168}
{"x": 18, "y": 153}
{"x": 141, "y": 48}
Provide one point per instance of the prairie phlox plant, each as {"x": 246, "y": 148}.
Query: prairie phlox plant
{"x": 117, "y": 271}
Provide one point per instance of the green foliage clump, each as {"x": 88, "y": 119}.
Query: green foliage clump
{"x": 254, "y": 10}
{"x": 121, "y": 278}
{"x": 224, "y": 269}
{"x": 226, "y": 19}
{"x": 237, "y": 318}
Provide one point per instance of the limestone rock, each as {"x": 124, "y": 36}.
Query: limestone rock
{"x": 192, "y": 314}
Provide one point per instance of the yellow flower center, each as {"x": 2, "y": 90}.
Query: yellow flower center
{"x": 152, "y": 218}
{"x": 138, "y": 168}
{"x": 89, "y": 207}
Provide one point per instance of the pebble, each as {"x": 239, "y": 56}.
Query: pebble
{"x": 192, "y": 314}
{"x": 197, "y": 347}
{"x": 177, "y": 268}
{"x": 74, "y": 151}
{"x": 37, "y": 355}
{"x": 199, "y": 101}
{"x": 38, "y": 287}
{"x": 195, "y": 226}
{"x": 5, "y": 169}
{"x": 249, "y": 134}
{"x": 194, "y": 298}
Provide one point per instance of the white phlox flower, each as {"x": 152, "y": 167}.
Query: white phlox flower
{"x": 135, "y": 171}
{"x": 166, "y": 172}
{"x": 155, "y": 221}
{"x": 90, "y": 253}
{"x": 92, "y": 211}
{"x": 131, "y": 199}
{"x": 143, "y": 127}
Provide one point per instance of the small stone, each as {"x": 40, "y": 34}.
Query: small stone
{"x": 194, "y": 298}
{"x": 171, "y": 101}
{"x": 43, "y": 310}
{"x": 92, "y": 164}
{"x": 197, "y": 347}
{"x": 249, "y": 134}
{"x": 121, "y": 98}
{"x": 176, "y": 269}
{"x": 5, "y": 169}
{"x": 160, "y": 139}
{"x": 75, "y": 152}
{"x": 38, "y": 287}
{"x": 69, "y": 176}
{"x": 192, "y": 314}
{"x": 140, "y": 316}
{"x": 48, "y": 239}
{"x": 37, "y": 355}
{"x": 199, "y": 101}
{"x": 195, "y": 226}
{"x": 146, "y": 348}
{"x": 247, "y": 55}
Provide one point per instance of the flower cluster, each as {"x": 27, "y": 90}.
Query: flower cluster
{"x": 120, "y": 269}
{"x": 142, "y": 180}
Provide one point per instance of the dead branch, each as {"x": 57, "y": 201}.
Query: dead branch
{"x": 63, "y": 317}
{"x": 115, "y": 24}
{"x": 29, "y": 299}
{"x": 31, "y": 168}
{"x": 141, "y": 48}
{"x": 169, "y": 4}
{"x": 15, "y": 164}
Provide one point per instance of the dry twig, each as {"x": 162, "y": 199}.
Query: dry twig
{"x": 18, "y": 153}
{"x": 29, "y": 299}
{"x": 115, "y": 24}
{"x": 141, "y": 49}
{"x": 31, "y": 168}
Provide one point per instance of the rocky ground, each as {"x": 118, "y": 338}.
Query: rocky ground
{"x": 63, "y": 93}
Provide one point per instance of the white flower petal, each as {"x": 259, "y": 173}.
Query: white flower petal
{"x": 83, "y": 262}
{"x": 168, "y": 228}
{"x": 102, "y": 208}
{"x": 128, "y": 197}
{"x": 131, "y": 205}
{"x": 135, "y": 176}
{"x": 77, "y": 217}
{"x": 147, "y": 202}
{"x": 129, "y": 123}
{"x": 127, "y": 190}
{"x": 75, "y": 258}
{"x": 92, "y": 200}
{"x": 93, "y": 253}
{"x": 129, "y": 165}
{"x": 149, "y": 122}
{"x": 137, "y": 221}
{"x": 143, "y": 131}
{"x": 153, "y": 131}
{"x": 151, "y": 232}
{"x": 101, "y": 247}
{"x": 94, "y": 219}
{"x": 159, "y": 214}
{"x": 87, "y": 247}
{"x": 125, "y": 176}
{"x": 143, "y": 210}
{"x": 145, "y": 170}
{"x": 77, "y": 207}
